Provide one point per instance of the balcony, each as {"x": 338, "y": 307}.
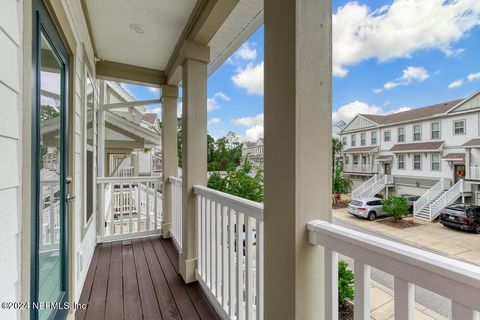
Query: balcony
{"x": 138, "y": 277}
{"x": 360, "y": 168}
{"x": 473, "y": 173}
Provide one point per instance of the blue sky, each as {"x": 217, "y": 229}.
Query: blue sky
{"x": 388, "y": 55}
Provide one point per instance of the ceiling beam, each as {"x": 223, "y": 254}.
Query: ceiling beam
{"x": 109, "y": 70}
{"x": 129, "y": 104}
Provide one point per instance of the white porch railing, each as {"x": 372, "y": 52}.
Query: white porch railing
{"x": 49, "y": 216}
{"x": 126, "y": 171}
{"x": 230, "y": 253}
{"x": 364, "y": 186}
{"x": 474, "y": 173}
{"x": 131, "y": 208}
{"x": 176, "y": 231}
{"x": 410, "y": 266}
{"x": 429, "y": 196}
{"x": 447, "y": 199}
{"x": 361, "y": 168}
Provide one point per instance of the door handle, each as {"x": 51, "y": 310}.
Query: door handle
{"x": 69, "y": 198}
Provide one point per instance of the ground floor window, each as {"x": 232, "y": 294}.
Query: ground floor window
{"x": 401, "y": 161}
{"x": 435, "y": 159}
{"x": 417, "y": 162}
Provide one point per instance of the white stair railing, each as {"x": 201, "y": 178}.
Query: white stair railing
{"x": 447, "y": 199}
{"x": 378, "y": 186}
{"x": 428, "y": 196}
{"x": 410, "y": 266}
{"x": 230, "y": 253}
{"x": 132, "y": 207}
{"x": 360, "y": 190}
{"x": 176, "y": 231}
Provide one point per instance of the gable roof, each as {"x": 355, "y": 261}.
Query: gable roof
{"x": 418, "y": 146}
{"x": 414, "y": 114}
{"x": 149, "y": 118}
{"x": 360, "y": 149}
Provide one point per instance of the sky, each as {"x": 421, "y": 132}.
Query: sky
{"x": 388, "y": 56}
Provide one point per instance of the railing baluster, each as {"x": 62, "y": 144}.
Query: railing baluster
{"x": 148, "y": 208}
{"x": 204, "y": 236}
{"x": 362, "y": 291}
{"x": 331, "y": 284}
{"x": 208, "y": 273}
{"x": 259, "y": 269}
{"x": 231, "y": 261}
{"x": 218, "y": 250}
{"x": 155, "y": 205}
{"x": 52, "y": 213}
{"x": 213, "y": 233}
{"x": 130, "y": 208}
{"x": 113, "y": 203}
{"x": 224, "y": 257}
{"x": 404, "y": 299}
{"x": 199, "y": 235}
{"x": 240, "y": 282}
{"x": 248, "y": 269}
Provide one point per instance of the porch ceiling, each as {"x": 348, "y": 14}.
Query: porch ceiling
{"x": 117, "y": 28}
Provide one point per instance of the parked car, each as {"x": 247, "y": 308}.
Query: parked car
{"x": 366, "y": 207}
{"x": 461, "y": 216}
{"x": 410, "y": 200}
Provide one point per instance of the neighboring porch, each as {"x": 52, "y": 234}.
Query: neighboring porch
{"x": 360, "y": 160}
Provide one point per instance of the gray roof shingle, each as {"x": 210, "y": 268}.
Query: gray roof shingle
{"x": 419, "y": 146}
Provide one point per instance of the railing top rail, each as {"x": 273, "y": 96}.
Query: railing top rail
{"x": 248, "y": 207}
{"x": 129, "y": 179}
{"x": 452, "y": 189}
{"x": 174, "y": 179}
{"x": 446, "y": 276}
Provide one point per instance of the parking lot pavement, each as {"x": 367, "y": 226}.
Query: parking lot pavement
{"x": 432, "y": 236}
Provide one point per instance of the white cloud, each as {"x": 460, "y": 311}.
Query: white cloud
{"x": 456, "y": 84}
{"x": 246, "y": 52}
{"x": 250, "y": 78}
{"x": 156, "y": 110}
{"x": 214, "y": 121}
{"x": 410, "y": 74}
{"x": 350, "y": 110}
{"x": 213, "y": 102}
{"x": 377, "y": 90}
{"x": 154, "y": 90}
{"x": 254, "y": 127}
{"x": 473, "y": 76}
{"x": 400, "y": 29}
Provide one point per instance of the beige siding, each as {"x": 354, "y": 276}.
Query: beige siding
{"x": 10, "y": 153}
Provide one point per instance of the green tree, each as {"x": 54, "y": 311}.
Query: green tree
{"x": 239, "y": 183}
{"x": 345, "y": 282}
{"x": 340, "y": 184}
{"x": 396, "y": 207}
{"x": 337, "y": 146}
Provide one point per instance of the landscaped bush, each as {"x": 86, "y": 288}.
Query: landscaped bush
{"x": 396, "y": 206}
{"x": 345, "y": 283}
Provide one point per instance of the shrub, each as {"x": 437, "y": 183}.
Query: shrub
{"x": 396, "y": 206}
{"x": 340, "y": 183}
{"x": 345, "y": 282}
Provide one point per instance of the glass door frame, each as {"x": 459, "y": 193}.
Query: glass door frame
{"x": 43, "y": 24}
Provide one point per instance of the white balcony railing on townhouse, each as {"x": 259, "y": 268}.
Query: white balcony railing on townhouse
{"x": 230, "y": 253}
{"x": 430, "y": 196}
{"x": 410, "y": 266}
{"x": 474, "y": 173}
{"x": 358, "y": 192}
{"x": 176, "y": 231}
{"x": 126, "y": 171}
{"x": 131, "y": 208}
{"x": 50, "y": 214}
{"x": 361, "y": 168}
{"x": 446, "y": 199}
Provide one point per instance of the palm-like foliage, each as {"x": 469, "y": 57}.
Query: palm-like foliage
{"x": 340, "y": 183}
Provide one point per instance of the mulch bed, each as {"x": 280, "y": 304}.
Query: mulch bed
{"x": 340, "y": 205}
{"x": 399, "y": 224}
{"x": 345, "y": 311}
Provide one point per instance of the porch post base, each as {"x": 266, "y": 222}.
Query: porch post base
{"x": 166, "y": 228}
{"x": 187, "y": 268}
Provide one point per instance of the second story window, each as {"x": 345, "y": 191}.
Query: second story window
{"x": 344, "y": 141}
{"x": 355, "y": 159}
{"x": 417, "y": 162}
{"x": 401, "y": 134}
{"x": 401, "y": 162}
{"x": 363, "y": 140}
{"x": 353, "y": 140}
{"x": 374, "y": 137}
{"x": 435, "y": 130}
{"x": 347, "y": 158}
{"x": 459, "y": 127}
{"x": 417, "y": 132}
{"x": 386, "y": 136}
{"x": 435, "y": 158}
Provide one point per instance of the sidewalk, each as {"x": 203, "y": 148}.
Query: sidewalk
{"x": 453, "y": 243}
{"x": 382, "y": 305}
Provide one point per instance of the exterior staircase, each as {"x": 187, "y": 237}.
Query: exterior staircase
{"x": 372, "y": 186}
{"x": 430, "y": 205}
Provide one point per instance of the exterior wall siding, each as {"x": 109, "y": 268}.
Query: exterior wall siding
{"x": 11, "y": 58}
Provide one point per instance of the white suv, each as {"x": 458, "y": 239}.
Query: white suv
{"x": 366, "y": 207}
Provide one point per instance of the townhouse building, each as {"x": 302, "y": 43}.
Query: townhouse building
{"x": 416, "y": 150}
{"x": 253, "y": 151}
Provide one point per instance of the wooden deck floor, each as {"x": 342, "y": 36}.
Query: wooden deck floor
{"x": 138, "y": 279}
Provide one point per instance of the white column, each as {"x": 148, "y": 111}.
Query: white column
{"x": 169, "y": 95}
{"x": 298, "y": 169}
{"x": 101, "y": 160}
{"x": 194, "y": 155}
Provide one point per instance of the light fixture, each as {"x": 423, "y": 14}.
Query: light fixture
{"x": 138, "y": 28}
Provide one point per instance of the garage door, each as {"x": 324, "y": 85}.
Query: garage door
{"x": 416, "y": 191}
